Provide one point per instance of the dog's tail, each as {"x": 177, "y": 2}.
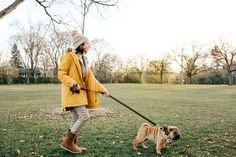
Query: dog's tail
{"x": 145, "y": 125}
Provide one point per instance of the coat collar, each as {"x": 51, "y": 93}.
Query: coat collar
{"x": 80, "y": 58}
{"x": 75, "y": 58}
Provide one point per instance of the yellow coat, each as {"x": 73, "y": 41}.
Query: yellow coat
{"x": 69, "y": 72}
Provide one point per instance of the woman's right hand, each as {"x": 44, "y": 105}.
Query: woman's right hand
{"x": 75, "y": 88}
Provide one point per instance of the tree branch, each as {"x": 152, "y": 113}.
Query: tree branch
{"x": 10, "y": 8}
{"x": 45, "y": 7}
{"x": 105, "y": 3}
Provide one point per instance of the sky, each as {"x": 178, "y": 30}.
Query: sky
{"x": 150, "y": 27}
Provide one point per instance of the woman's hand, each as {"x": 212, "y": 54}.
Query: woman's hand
{"x": 75, "y": 88}
{"x": 106, "y": 94}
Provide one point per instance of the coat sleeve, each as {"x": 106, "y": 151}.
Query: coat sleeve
{"x": 63, "y": 71}
{"x": 93, "y": 85}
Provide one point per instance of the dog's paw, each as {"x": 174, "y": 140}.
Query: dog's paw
{"x": 158, "y": 153}
{"x": 144, "y": 146}
{"x": 135, "y": 148}
{"x": 168, "y": 141}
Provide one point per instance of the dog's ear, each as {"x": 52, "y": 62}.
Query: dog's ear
{"x": 165, "y": 129}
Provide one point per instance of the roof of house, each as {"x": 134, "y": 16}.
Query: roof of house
{"x": 25, "y": 71}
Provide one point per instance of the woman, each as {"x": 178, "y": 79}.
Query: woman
{"x": 75, "y": 74}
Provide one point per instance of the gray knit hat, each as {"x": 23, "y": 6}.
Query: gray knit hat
{"x": 78, "y": 39}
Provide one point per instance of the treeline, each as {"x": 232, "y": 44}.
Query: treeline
{"x": 36, "y": 48}
{"x": 131, "y": 77}
{"x": 4, "y": 79}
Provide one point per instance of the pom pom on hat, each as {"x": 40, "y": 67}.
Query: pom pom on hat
{"x": 78, "y": 39}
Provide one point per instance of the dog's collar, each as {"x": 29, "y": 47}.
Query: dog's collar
{"x": 165, "y": 130}
{"x": 161, "y": 135}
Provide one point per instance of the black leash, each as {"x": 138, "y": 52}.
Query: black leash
{"x": 123, "y": 105}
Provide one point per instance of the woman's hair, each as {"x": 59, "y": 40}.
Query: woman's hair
{"x": 80, "y": 49}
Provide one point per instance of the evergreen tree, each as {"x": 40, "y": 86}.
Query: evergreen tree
{"x": 16, "y": 57}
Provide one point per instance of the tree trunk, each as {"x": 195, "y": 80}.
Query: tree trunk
{"x": 55, "y": 72}
{"x": 10, "y": 8}
{"x": 230, "y": 79}
{"x": 161, "y": 75}
{"x": 28, "y": 78}
{"x": 84, "y": 17}
{"x": 140, "y": 76}
{"x": 160, "y": 79}
{"x": 110, "y": 77}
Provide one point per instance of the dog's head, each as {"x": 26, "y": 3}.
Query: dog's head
{"x": 172, "y": 132}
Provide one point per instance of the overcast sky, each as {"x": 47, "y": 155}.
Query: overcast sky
{"x": 151, "y": 27}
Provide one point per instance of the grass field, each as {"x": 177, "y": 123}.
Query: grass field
{"x": 206, "y": 116}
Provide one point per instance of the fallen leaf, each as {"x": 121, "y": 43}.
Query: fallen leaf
{"x": 188, "y": 145}
{"x": 18, "y": 151}
{"x": 138, "y": 153}
{"x": 33, "y": 153}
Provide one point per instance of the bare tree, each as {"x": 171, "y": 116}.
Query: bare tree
{"x": 87, "y": 4}
{"x": 160, "y": 67}
{"x": 107, "y": 68}
{"x": 31, "y": 41}
{"x": 55, "y": 17}
{"x": 45, "y": 62}
{"x": 224, "y": 55}
{"x": 57, "y": 44}
{"x": 127, "y": 66}
{"x": 112, "y": 63}
{"x": 193, "y": 64}
{"x": 1, "y": 54}
{"x": 10, "y": 8}
{"x": 100, "y": 49}
{"x": 139, "y": 65}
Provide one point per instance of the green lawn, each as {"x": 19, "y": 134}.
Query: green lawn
{"x": 205, "y": 114}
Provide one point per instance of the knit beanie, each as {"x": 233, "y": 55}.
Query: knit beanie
{"x": 78, "y": 39}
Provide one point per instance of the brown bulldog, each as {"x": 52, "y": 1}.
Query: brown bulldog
{"x": 160, "y": 136}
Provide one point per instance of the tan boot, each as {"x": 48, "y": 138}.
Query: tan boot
{"x": 75, "y": 142}
{"x": 68, "y": 143}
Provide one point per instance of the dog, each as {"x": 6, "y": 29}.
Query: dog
{"x": 160, "y": 136}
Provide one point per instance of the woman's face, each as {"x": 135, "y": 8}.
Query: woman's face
{"x": 86, "y": 47}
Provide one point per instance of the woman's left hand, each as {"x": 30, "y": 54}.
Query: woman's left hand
{"x": 106, "y": 94}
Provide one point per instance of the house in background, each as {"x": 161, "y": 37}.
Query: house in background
{"x": 23, "y": 72}
{"x": 11, "y": 71}
{"x": 50, "y": 73}
{"x": 20, "y": 72}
